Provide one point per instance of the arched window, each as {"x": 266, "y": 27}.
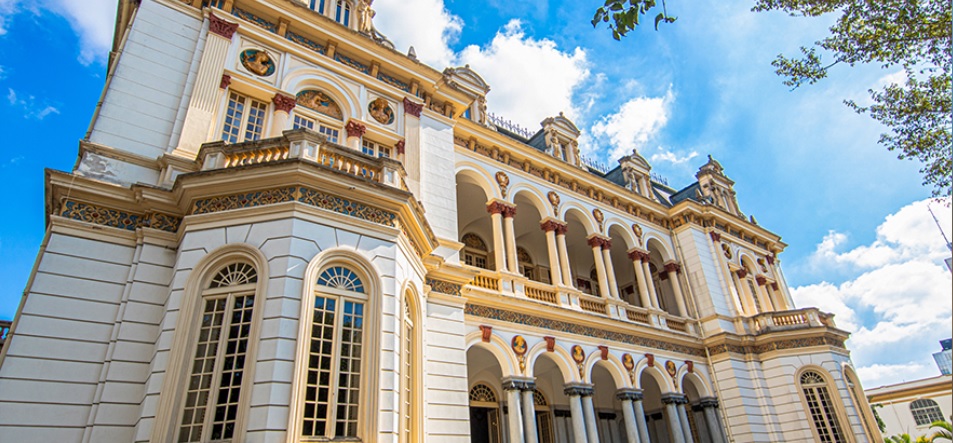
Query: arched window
{"x": 484, "y": 414}
{"x": 474, "y": 251}
{"x": 342, "y": 12}
{"x": 821, "y": 408}
{"x": 333, "y": 380}
{"x": 925, "y": 411}
{"x": 213, "y": 395}
{"x": 410, "y": 404}
{"x": 527, "y": 268}
{"x": 861, "y": 405}
{"x": 317, "y": 5}
{"x": 319, "y": 112}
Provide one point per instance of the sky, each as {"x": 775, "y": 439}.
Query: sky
{"x": 862, "y": 243}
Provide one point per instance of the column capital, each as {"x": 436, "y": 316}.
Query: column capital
{"x": 284, "y": 102}
{"x": 412, "y": 108}
{"x": 761, "y": 280}
{"x": 551, "y": 224}
{"x": 518, "y": 384}
{"x": 674, "y": 398}
{"x": 496, "y": 206}
{"x": 672, "y": 266}
{"x": 226, "y": 81}
{"x": 577, "y": 389}
{"x": 400, "y": 147}
{"x": 595, "y": 240}
{"x": 741, "y": 273}
{"x": 774, "y": 285}
{"x": 708, "y": 402}
{"x": 638, "y": 254}
{"x": 715, "y": 237}
{"x": 355, "y": 128}
{"x": 509, "y": 211}
{"x": 629, "y": 394}
{"x": 221, "y": 27}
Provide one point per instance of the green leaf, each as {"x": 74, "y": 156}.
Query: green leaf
{"x": 658, "y": 19}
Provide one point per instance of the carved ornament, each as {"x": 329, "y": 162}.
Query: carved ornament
{"x": 412, "y": 108}
{"x": 284, "y": 103}
{"x": 355, "y": 128}
{"x": 221, "y": 27}
{"x": 504, "y": 181}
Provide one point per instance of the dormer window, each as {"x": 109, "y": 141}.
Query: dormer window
{"x": 342, "y": 13}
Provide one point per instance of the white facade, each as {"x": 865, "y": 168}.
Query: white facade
{"x": 910, "y": 407}
{"x": 368, "y": 257}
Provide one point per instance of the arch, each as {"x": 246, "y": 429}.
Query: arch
{"x": 653, "y": 240}
{"x": 660, "y": 376}
{"x": 560, "y": 357}
{"x": 475, "y": 175}
{"x": 531, "y": 194}
{"x": 617, "y": 226}
{"x": 186, "y": 331}
{"x": 581, "y": 214}
{"x": 299, "y": 79}
{"x": 697, "y": 380}
{"x": 817, "y": 382}
{"x": 747, "y": 261}
{"x": 411, "y": 364}
{"x": 613, "y": 365}
{"x": 499, "y": 348}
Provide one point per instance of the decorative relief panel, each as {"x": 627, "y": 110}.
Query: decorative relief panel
{"x": 321, "y": 102}
{"x": 257, "y": 62}
{"x": 115, "y": 218}
{"x": 381, "y": 111}
{"x": 444, "y": 287}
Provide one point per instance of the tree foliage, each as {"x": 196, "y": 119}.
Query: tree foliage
{"x": 944, "y": 431}
{"x": 912, "y": 35}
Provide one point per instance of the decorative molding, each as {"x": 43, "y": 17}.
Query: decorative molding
{"x": 690, "y": 366}
{"x": 485, "y": 333}
{"x": 577, "y": 390}
{"x": 628, "y": 362}
{"x": 673, "y": 267}
{"x": 355, "y": 128}
{"x": 495, "y": 207}
{"x": 118, "y": 219}
{"x": 575, "y": 328}
{"x": 553, "y": 200}
{"x": 671, "y": 368}
{"x": 444, "y": 287}
{"x": 629, "y": 394}
{"x": 504, "y": 181}
{"x": 226, "y": 81}
{"x": 600, "y": 218}
{"x": 715, "y": 237}
{"x": 400, "y": 146}
{"x": 604, "y": 352}
{"x": 412, "y": 108}
{"x": 550, "y": 343}
{"x": 761, "y": 280}
{"x": 305, "y": 195}
{"x": 221, "y": 27}
{"x": 741, "y": 273}
{"x": 779, "y": 345}
{"x": 509, "y": 211}
{"x": 650, "y": 360}
{"x": 283, "y": 102}
{"x": 551, "y": 225}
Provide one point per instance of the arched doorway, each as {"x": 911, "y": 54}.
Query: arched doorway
{"x": 655, "y": 415}
{"x": 608, "y": 408}
{"x": 474, "y": 227}
{"x": 553, "y": 421}
{"x": 485, "y": 396}
{"x": 531, "y": 252}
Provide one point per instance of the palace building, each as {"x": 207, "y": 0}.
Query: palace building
{"x": 281, "y": 229}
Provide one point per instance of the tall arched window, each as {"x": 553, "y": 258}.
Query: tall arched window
{"x": 925, "y": 411}
{"x": 342, "y": 12}
{"x": 409, "y": 375}
{"x": 484, "y": 415}
{"x": 821, "y": 408}
{"x": 214, "y": 390}
{"x": 333, "y": 380}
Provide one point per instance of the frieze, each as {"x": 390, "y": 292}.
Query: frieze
{"x": 305, "y": 195}
{"x": 305, "y": 41}
{"x": 249, "y": 17}
{"x": 777, "y": 345}
{"x": 444, "y": 287}
{"x": 574, "y": 328}
{"x": 115, "y": 218}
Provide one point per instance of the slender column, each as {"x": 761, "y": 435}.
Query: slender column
{"x": 742, "y": 286}
{"x": 564, "y": 255}
{"x": 595, "y": 242}
{"x": 640, "y": 417}
{"x": 355, "y": 130}
{"x": 199, "y": 117}
{"x": 610, "y": 270}
{"x": 683, "y": 418}
{"x": 590, "y": 413}
{"x": 766, "y": 301}
{"x": 574, "y": 392}
{"x": 626, "y": 396}
{"x": 782, "y": 302}
{"x": 671, "y": 402}
{"x": 636, "y": 256}
{"x": 279, "y": 121}
{"x": 709, "y": 406}
{"x": 510, "y": 238}
{"x": 411, "y": 148}
{"x": 529, "y": 412}
{"x": 514, "y": 418}
{"x": 496, "y": 221}
{"x": 555, "y": 275}
{"x": 672, "y": 269}
{"x": 648, "y": 281}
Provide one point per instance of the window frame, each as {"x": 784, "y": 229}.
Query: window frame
{"x": 242, "y": 136}
{"x": 926, "y": 411}
{"x": 318, "y": 121}
{"x": 846, "y": 433}
{"x": 410, "y": 361}
{"x": 376, "y": 149}
{"x": 368, "y": 414}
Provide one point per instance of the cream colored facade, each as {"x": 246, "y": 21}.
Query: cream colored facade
{"x": 910, "y": 407}
{"x": 367, "y": 256}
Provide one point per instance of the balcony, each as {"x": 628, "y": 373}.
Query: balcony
{"x": 305, "y": 145}
{"x": 789, "y": 320}
{"x": 495, "y": 284}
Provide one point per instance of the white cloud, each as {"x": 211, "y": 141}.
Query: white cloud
{"x": 665, "y": 155}
{"x": 7, "y": 9}
{"x": 530, "y": 79}
{"x": 635, "y": 123}
{"x": 899, "y": 304}
{"x": 874, "y": 376}
{"x": 899, "y": 78}
{"x": 92, "y": 21}
{"x": 29, "y": 106}
{"x": 424, "y": 24}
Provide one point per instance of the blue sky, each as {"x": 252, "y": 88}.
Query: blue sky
{"x": 862, "y": 244}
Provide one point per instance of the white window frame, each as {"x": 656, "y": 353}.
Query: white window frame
{"x": 320, "y": 123}
{"x": 844, "y": 431}
{"x": 227, "y": 121}
{"x": 375, "y": 149}
{"x": 343, "y": 12}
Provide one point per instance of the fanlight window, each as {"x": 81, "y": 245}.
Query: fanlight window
{"x": 482, "y": 393}
{"x": 341, "y": 278}
{"x": 538, "y": 398}
{"x": 821, "y": 407}
{"x": 925, "y": 411}
{"x": 474, "y": 251}
{"x": 233, "y": 275}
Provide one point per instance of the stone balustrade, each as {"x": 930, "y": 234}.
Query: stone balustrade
{"x": 788, "y": 320}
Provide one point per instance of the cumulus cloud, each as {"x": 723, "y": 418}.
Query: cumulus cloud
{"x": 527, "y": 96}
{"x": 635, "y": 123}
{"x": 7, "y": 9}
{"x": 665, "y": 155}
{"x": 91, "y": 20}
{"x": 434, "y": 28}
{"x": 29, "y": 106}
{"x": 898, "y": 302}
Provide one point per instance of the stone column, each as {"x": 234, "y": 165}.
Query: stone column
{"x": 640, "y": 416}
{"x": 200, "y": 115}
{"x": 750, "y": 307}
{"x": 672, "y": 269}
{"x": 627, "y": 396}
{"x": 549, "y": 226}
{"x": 495, "y": 209}
{"x": 595, "y": 242}
{"x": 411, "y": 160}
{"x": 588, "y": 411}
{"x": 574, "y": 392}
{"x": 636, "y": 256}
{"x": 564, "y": 255}
{"x": 355, "y": 130}
{"x": 782, "y": 302}
{"x": 766, "y": 301}
{"x": 279, "y": 120}
{"x": 610, "y": 270}
{"x": 514, "y": 419}
{"x": 648, "y": 281}
{"x": 529, "y": 411}
{"x": 683, "y": 412}
{"x": 710, "y": 408}
{"x": 671, "y": 402}
{"x": 510, "y": 238}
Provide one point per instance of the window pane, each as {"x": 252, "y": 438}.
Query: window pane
{"x": 319, "y": 368}
{"x": 233, "y": 117}
{"x": 332, "y": 134}
{"x": 226, "y": 409}
{"x": 301, "y": 122}
{"x": 350, "y": 370}
{"x": 203, "y": 368}
{"x": 256, "y": 120}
